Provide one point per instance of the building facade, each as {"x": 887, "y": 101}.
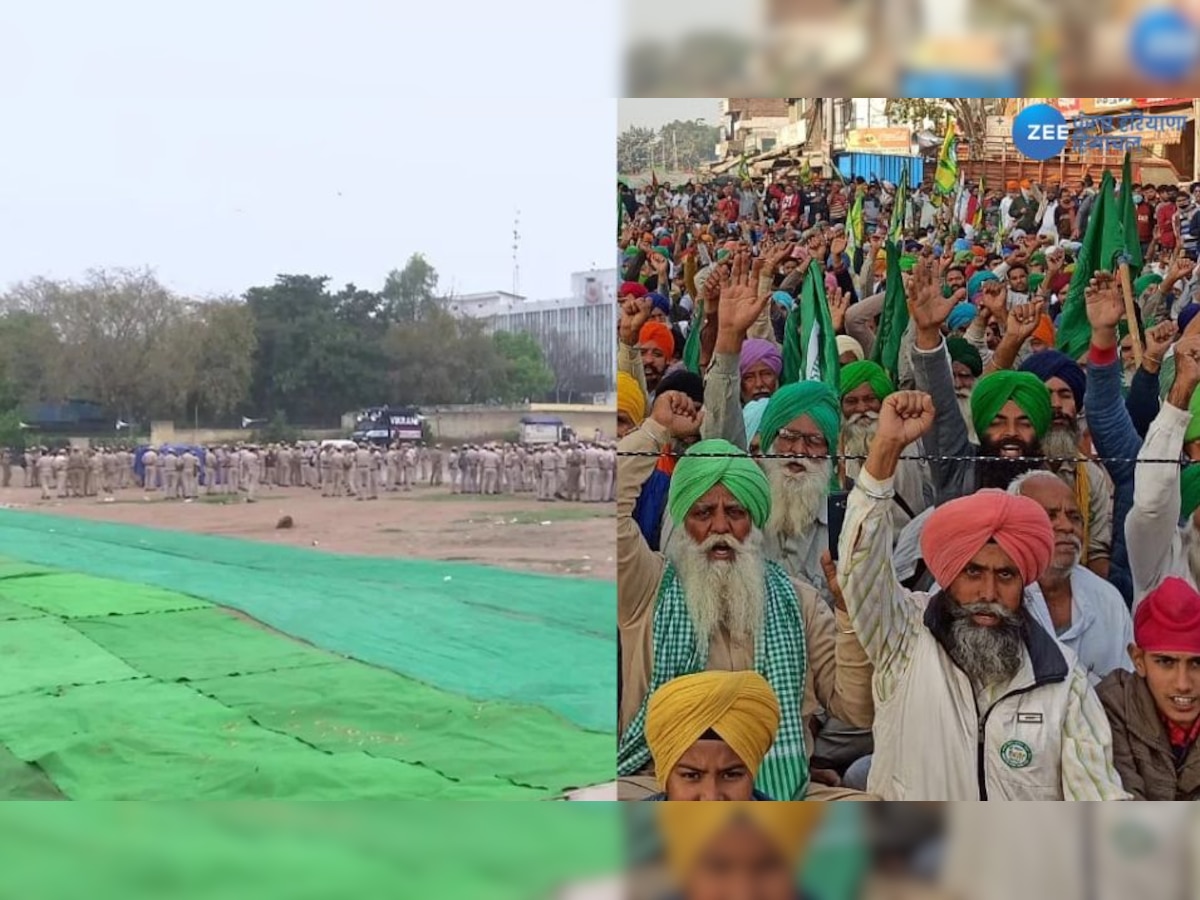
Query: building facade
{"x": 577, "y": 333}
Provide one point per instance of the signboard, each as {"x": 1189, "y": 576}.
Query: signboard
{"x": 880, "y": 140}
{"x": 1102, "y": 105}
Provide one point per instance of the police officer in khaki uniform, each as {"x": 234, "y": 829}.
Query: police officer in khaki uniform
{"x": 190, "y": 464}
{"x": 45, "y": 474}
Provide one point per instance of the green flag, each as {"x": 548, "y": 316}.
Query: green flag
{"x": 1103, "y": 243}
{"x": 1133, "y": 246}
{"x": 691, "y": 345}
{"x": 809, "y": 341}
{"x": 898, "y": 203}
{"x": 893, "y": 319}
{"x": 854, "y": 224}
{"x": 946, "y": 176}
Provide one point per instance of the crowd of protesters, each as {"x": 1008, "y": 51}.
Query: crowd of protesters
{"x": 904, "y": 509}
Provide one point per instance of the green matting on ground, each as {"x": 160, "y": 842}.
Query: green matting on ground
{"x": 297, "y": 851}
{"x": 481, "y": 632}
{"x": 111, "y": 689}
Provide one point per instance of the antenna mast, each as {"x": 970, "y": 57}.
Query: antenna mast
{"x": 516, "y": 246}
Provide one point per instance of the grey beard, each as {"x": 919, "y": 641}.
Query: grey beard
{"x": 724, "y": 592}
{"x": 964, "y": 407}
{"x": 989, "y": 656}
{"x": 796, "y": 499}
{"x": 857, "y": 433}
{"x": 1061, "y": 441}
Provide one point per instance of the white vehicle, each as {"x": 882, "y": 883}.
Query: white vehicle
{"x": 339, "y": 443}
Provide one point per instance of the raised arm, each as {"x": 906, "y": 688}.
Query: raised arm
{"x": 634, "y": 314}
{"x": 639, "y": 569}
{"x": 884, "y": 615}
{"x": 1150, "y": 527}
{"x": 928, "y": 309}
{"x": 740, "y": 306}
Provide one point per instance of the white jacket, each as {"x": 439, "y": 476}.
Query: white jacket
{"x": 1044, "y": 736}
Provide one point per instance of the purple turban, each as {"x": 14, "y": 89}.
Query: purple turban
{"x": 756, "y": 350}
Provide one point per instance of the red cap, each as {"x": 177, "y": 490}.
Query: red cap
{"x": 1168, "y": 619}
{"x": 632, "y": 287}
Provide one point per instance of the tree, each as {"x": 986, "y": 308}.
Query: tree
{"x": 969, "y": 113}
{"x": 526, "y": 374}
{"x": 410, "y": 294}
{"x": 633, "y": 150}
{"x": 567, "y": 361}
{"x": 920, "y": 112}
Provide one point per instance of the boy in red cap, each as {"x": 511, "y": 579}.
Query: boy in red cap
{"x": 1155, "y": 712}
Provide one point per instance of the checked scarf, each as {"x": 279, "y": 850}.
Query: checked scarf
{"x": 779, "y": 656}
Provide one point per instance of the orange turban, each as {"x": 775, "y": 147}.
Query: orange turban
{"x": 1044, "y": 331}
{"x": 959, "y": 529}
{"x": 689, "y": 828}
{"x": 1012, "y": 185}
{"x": 656, "y": 334}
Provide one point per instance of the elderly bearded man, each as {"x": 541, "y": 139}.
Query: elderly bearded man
{"x": 865, "y": 385}
{"x": 974, "y": 699}
{"x": 715, "y": 602}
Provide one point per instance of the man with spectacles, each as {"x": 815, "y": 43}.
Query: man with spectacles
{"x": 716, "y": 600}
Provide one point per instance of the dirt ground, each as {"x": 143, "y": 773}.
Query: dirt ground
{"x": 513, "y": 531}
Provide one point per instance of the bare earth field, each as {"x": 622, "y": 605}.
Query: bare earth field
{"x": 513, "y": 531}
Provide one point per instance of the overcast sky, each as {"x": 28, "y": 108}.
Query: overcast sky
{"x": 225, "y": 142}
{"x": 653, "y": 113}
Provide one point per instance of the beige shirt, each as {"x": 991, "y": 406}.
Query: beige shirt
{"x": 838, "y": 673}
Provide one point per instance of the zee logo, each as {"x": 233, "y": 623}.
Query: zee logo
{"x": 1040, "y": 132}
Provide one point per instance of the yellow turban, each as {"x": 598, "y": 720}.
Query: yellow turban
{"x": 739, "y": 706}
{"x": 687, "y": 828}
{"x": 630, "y": 399}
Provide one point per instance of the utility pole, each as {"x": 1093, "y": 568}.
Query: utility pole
{"x": 516, "y": 246}
{"x": 675, "y": 149}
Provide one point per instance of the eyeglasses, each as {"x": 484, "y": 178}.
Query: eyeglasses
{"x": 792, "y": 439}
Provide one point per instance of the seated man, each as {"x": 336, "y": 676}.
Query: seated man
{"x": 1155, "y": 711}
{"x": 737, "y": 849}
{"x": 708, "y": 734}
{"x": 973, "y": 699}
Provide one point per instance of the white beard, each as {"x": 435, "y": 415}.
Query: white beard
{"x": 722, "y": 592}
{"x": 796, "y": 499}
{"x": 857, "y": 432}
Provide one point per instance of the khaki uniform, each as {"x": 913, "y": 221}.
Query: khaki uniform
{"x": 61, "y": 470}
{"x": 455, "y": 472}
{"x": 249, "y": 476}
{"x": 549, "y": 482}
{"x": 489, "y": 462}
{"x": 191, "y": 466}
{"x": 435, "y": 467}
{"x": 44, "y": 469}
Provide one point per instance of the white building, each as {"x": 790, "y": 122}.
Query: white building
{"x": 577, "y": 333}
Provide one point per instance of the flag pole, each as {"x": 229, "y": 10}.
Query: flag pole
{"x": 1130, "y": 310}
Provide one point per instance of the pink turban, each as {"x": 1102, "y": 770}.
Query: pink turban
{"x": 756, "y": 350}
{"x": 959, "y": 529}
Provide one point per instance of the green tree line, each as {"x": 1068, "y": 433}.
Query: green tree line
{"x": 296, "y": 349}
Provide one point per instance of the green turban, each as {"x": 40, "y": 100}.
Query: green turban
{"x": 1024, "y": 388}
{"x": 696, "y": 474}
{"x": 1189, "y": 488}
{"x": 908, "y": 262}
{"x": 1035, "y": 281}
{"x": 1140, "y": 284}
{"x": 866, "y": 372}
{"x": 1038, "y": 258}
{"x": 962, "y": 351}
{"x": 815, "y": 399}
